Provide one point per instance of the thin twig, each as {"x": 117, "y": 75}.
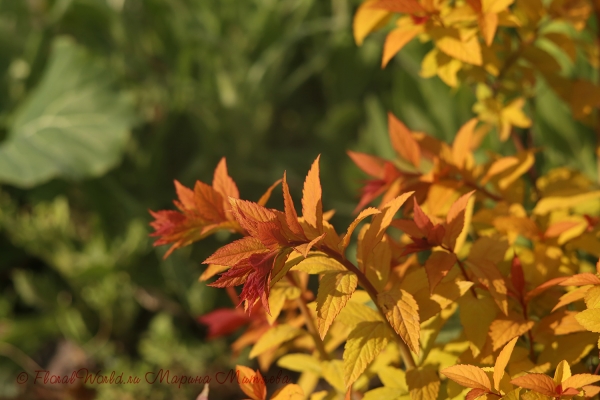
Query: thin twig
{"x": 310, "y": 323}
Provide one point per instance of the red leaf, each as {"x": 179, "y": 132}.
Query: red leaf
{"x": 421, "y": 219}
{"x": 223, "y": 321}
{"x": 369, "y": 164}
{"x": 475, "y": 393}
{"x": 516, "y": 276}
{"x": 234, "y": 252}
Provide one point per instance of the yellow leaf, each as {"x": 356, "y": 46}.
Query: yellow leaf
{"x": 289, "y": 392}
{"x": 525, "y": 161}
{"x": 378, "y": 264}
{"x": 397, "y": 39}
{"x": 312, "y": 208}
{"x": 385, "y": 393}
{"x": 495, "y": 6}
{"x": 333, "y": 373}
{"x": 318, "y": 265}
{"x": 448, "y": 69}
{"x": 503, "y": 330}
{"x": 502, "y": 362}
{"x": 579, "y": 380}
{"x": 592, "y": 297}
{"x": 394, "y": 378}
{"x": 402, "y": 312}
{"x": 476, "y": 317}
{"x": 463, "y": 47}
{"x": 367, "y": 19}
{"x": 423, "y": 383}
{"x": 281, "y": 292}
{"x": 487, "y": 248}
{"x": 590, "y": 319}
{"x": 468, "y": 376}
{"x": 274, "y": 337}
{"x": 334, "y": 292}
{"x": 299, "y": 362}
{"x": 551, "y": 203}
{"x": 563, "y": 371}
{"x": 364, "y": 343}
{"x": 571, "y": 348}
{"x": 355, "y": 313}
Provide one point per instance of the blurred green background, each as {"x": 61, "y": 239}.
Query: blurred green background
{"x": 103, "y": 103}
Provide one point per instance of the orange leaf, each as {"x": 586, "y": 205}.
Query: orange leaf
{"x": 363, "y": 214}
{"x": 543, "y": 287}
{"x": 371, "y": 165}
{"x": 468, "y": 376}
{"x": 291, "y": 217}
{"x": 475, "y": 393}
{"x": 312, "y": 207}
{"x": 399, "y": 6}
{"x": 586, "y": 278}
{"x": 502, "y": 361}
{"x": 570, "y": 297}
{"x": 505, "y": 329}
{"x": 223, "y": 183}
{"x": 304, "y": 248}
{"x": 403, "y": 141}
{"x": 395, "y": 41}
{"x": 455, "y": 219}
{"x": 209, "y": 202}
{"x": 251, "y": 383}
{"x": 579, "y": 380}
{"x": 537, "y": 382}
{"x": 558, "y": 228}
{"x": 233, "y": 252}
{"x": 461, "y": 146}
{"x": 437, "y": 266}
{"x": 267, "y": 195}
{"x": 488, "y": 23}
{"x": 488, "y": 274}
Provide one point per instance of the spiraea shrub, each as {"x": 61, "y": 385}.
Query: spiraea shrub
{"x": 474, "y": 276}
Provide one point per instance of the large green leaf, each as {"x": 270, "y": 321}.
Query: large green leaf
{"x": 71, "y": 126}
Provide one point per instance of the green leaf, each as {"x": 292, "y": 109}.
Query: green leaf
{"x": 72, "y": 125}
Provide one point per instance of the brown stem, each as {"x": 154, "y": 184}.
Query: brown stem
{"x": 597, "y": 366}
{"x": 372, "y": 291}
{"x": 310, "y": 323}
{"x": 529, "y": 334}
{"x": 484, "y": 191}
{"x": 464, "y": 272}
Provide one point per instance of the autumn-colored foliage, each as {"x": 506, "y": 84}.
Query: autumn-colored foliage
{"x": 457, "y": 235}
